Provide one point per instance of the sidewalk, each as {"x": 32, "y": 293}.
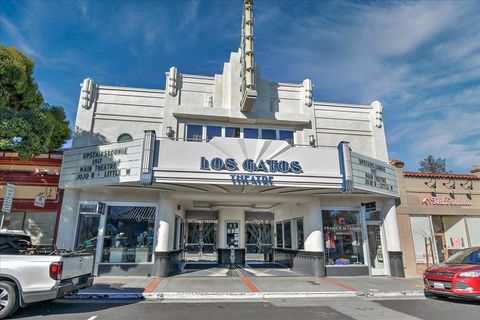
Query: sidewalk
{"x": 224, "y": 284}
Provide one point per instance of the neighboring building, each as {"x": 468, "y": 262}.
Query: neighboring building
{"x": 232, "y": 160}
{"x": 36, "y": 199}
{"x": 438, "y": 214}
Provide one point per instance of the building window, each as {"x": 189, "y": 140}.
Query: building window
{"x": 40, "y": 226}
{"x": 213, "y": 131}
{"x": 422, "y": 235}
{"x": 124, "y": 137}
{"x": 343, "y": 237}
{"x": 178, "y": 233}
{"x": 250, "y": 133}
{"x": 231, "y": 132}
{"x": 129, "y": 234}
{"x": 287, "y": 231}
{"x": 194, "y": 132}
{"x": 269, "y": 134}
{"x": 473, "y": 224}
{"x": 300, "y": 240}
{"x": 279, "y": 229}
{"x": 286, "y": 136}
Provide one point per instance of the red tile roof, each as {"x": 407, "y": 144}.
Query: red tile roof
{"x": 440, "y": 175}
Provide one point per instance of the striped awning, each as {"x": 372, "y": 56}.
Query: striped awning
{"x": 137, "y": 214}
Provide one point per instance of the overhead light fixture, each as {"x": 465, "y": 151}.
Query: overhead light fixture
{"x": 170, "y": 132}
{"x": 312, "y": 140}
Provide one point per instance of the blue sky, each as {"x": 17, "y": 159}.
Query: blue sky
{"x": 420, "y": 59}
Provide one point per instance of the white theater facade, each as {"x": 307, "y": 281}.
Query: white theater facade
{"x": 211, "y": 165}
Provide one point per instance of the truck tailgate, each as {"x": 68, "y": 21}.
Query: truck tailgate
{"x": 74, "y": 266}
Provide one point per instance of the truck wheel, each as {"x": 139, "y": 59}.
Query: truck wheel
{"x": 8, "y": 299}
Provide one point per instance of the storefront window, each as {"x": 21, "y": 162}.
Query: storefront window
{"x": 250, "y": 133}
{"x": 213, "y": 131}
{"x": 178, "y": 234}
{"x": 455, "y": 233}
{"x": 300, "y": 234}
{"x": 422, "y": 238}
{"x": 473, "y": 224}
{"x": 343, "y": 237}
{"x": 194, "y": 132}
{"x": 40, "y": 226}
{"x": 279, "y": 229}
{"x": 287, "y": 230}
{"x": 373, "y": 216}
{"x": 129, "y": 234}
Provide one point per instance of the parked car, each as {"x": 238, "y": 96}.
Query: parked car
{"x": 27, "y": 275}
{"x": 459, "y": 276}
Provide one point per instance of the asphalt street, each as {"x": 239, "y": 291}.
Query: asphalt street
{"x": 304, "y": 309}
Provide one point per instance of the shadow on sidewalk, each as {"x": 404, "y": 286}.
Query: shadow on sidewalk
{"x": 59, "y": 307}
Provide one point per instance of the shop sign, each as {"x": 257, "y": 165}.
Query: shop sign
{"x": 373, "y": 175}
{"x": 249, "y": 165}
{"x": 117, "y": 162}
{"x": 343, "y": 228}
{"x": 8, "y": 198}
{"x": 370, "y": 206}
{"x": 446, "y": 201}
{"x": 39, "y": 201}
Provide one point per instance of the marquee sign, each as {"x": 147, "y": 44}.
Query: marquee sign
{"x": 373, "y": 175}
{"x": 249, "y": 165}
{"x": 95, "y": 165}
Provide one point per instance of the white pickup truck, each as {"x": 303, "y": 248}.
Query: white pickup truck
{"x": 27, "y": 276}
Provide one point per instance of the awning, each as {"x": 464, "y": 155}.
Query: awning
{"x": 137, "y": 214}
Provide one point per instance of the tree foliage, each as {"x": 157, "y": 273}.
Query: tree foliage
{"x": 432, "y": 165}
{"x": 28, "y": 125}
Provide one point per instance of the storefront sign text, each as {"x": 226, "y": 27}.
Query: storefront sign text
{"x": 267, "y": 166}
{"x": 434, "y": 201}
{"x": 100, "y": 164}
{"x": 8, "y": 198}
{"x": 373, "y": 178}
{"x": 241, "y": 179}
{"x": 373, "y": 175}
{"x": 248, "y": 165}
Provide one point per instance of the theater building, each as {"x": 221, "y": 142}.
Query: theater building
{"x": 229, "y": 167}
{"x": 438, "y": 215}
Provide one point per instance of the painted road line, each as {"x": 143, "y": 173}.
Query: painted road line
{"x": 247, "y": 281}
{"x": 338, "y": 284}
{"x": 152, "y": 285}
{"x": 92, "y": 318}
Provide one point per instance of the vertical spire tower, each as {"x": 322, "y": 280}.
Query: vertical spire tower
{"x": 249, "y": 93}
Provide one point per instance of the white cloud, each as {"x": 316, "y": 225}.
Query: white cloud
{"x": 19, "y": 39}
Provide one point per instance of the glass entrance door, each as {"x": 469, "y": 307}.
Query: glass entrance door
{"x": 200, "y": 242}
{"x": 258, "y": 239}
{"x": 376, "y": 249}
{"x": 88, "y": 233}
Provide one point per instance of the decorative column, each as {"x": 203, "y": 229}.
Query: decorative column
{"x": 392, "y": 236}
{"x": 68, "y": 220}
{"x": 312, "y": 260}
{"x": 164, "y": 256}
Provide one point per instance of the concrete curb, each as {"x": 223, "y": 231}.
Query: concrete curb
{"x": 212, "y": 296}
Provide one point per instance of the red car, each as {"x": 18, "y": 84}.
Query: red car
{"x": 459, "y": 276}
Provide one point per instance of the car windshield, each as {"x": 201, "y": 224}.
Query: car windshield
{"x": 462, "y": 256}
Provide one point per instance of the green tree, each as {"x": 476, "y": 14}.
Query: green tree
{"x": 432, "y": 165}
{"x": 28, "y": 125}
